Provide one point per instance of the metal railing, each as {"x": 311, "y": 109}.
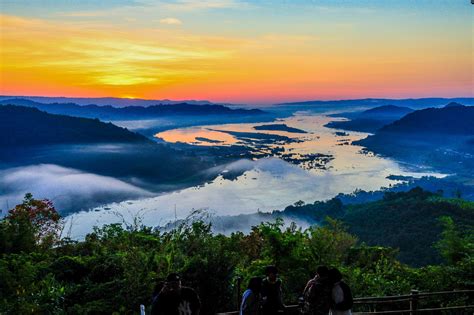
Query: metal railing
{"x": 413, "y": 303}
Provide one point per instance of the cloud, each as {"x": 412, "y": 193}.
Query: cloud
{"x": 171, "y": 21}
{"x": 105, "y": 56}
{"x": 69, "y": 189}
{"x": 206, "y": 4}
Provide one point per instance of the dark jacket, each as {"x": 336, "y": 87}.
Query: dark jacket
{"x": 184, "y": 302}
{"x": 250, "y": 303}
{"x": 272, "y": 297}
{"x": 318, "y": 298}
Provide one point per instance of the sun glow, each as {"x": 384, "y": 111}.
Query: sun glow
{"x": 234, "y": 57}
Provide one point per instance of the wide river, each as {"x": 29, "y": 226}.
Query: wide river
{"x": 265, "y": 184}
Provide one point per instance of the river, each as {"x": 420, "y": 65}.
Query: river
{"x": 316, "y": 165}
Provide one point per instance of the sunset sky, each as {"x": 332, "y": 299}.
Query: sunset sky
{"x": 237, "y": 51}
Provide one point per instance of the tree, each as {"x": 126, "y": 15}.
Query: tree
{"x": 33, "y": 222}
{"x": 453, "y": 245}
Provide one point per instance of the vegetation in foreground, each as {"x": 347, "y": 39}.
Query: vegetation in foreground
{"x": 115, "y": 268}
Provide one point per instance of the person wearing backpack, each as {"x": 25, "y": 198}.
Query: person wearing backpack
{"x": 341, "y": 294}
{"x": 317, "y": 293}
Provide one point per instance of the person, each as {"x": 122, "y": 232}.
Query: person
{"x": 272, "y": 301}
{"x": 251, "y": 297}
{"x": 341, "y": 294}
{"x": 317, "y": 293}
{"x": 174, "y": 299}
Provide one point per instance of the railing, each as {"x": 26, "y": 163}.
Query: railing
{"x": 414, "y": 303}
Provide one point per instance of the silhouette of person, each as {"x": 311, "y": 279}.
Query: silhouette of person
{"x": 341, "y": 294}
{"x": 251, "y": 297}
{"x": 272, "y": 301}
{"x": 317, "y": 293}
{"x": 175, "y": 299}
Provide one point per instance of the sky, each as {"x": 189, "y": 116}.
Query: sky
{"x": 256, "y": 52}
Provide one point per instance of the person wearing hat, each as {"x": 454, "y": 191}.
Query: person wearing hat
{"x": 272, "y": 301}
{"x": 175, "y": 299}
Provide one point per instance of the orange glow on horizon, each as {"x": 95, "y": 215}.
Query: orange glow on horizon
{"x": 57, "y": 58}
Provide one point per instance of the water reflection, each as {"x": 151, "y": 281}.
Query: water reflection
{"x": 266, "y": 184}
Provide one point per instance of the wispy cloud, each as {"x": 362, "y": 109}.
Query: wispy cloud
{"x": 171, "y": 21}
{"x": 82, "y": 14}
{"x": 106, "y": 56}
{"x": 207, "y": 4}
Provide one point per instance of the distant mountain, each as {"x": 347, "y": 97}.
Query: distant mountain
{"x": 452, "y": 120}
{"x": 386, "y": 112}
{"x": 370, "y": 120}
{"x": 111, "y": 101}
{"x": 453, "y": 104}
{"x": 374, "y": 102}
{"x": 23, "y": 126}
{"x": 132, "y": 112}
{"x": 436, "y": 137}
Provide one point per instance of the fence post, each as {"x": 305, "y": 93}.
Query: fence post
{"x": 239, "y": 284}
{"x": 413, "y": 301}
{"x": 142, "y": 309}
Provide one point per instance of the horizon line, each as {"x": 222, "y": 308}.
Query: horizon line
{"x": 239, "y": 103}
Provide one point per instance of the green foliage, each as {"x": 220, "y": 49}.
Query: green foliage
{"x": 29, "y": 224}
{"x": 115, "y": 268}
{"x": 408, "y": 221}
{"x": 454, "y": 246}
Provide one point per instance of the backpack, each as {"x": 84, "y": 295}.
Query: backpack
{"x": 348, "y": 301}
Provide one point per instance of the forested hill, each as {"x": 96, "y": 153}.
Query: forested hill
{"x": 405, "y": 220}
{"x": 452, "y": 120}
{"x": 441, "y": 138}
{"x": 22, "y": 126}
{"x": 132, "y": 112}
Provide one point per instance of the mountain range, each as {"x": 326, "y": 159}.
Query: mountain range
{"x": 132, "y": 112}
{"x": 103, "y": 101}
{"x": 22, "y": 126}
{"x": 374, "y": 102}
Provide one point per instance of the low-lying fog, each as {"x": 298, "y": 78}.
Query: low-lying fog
{"x": 264, "y": 185}
{"x": 67, "y": 188}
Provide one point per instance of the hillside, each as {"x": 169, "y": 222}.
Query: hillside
{"x": 449, "y": 120}
{"x": 440, "y": 138}
{"x": 132, "y": 112}
{"x": 405, "y": 220}
{"x": 22, "y": 126}
{"x": 369, "y": 120}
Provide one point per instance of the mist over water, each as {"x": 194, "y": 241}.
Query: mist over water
{"x": 66, "y": 187}
{"x": 265, "y": 184}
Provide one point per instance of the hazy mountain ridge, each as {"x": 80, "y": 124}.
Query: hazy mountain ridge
{"x": 22, "y": 126}
{"x": 108, "y": 112}
{"x": 369, "y": 120}
{"x": 103, "y": 101}
{"x": 374, "y": 102}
